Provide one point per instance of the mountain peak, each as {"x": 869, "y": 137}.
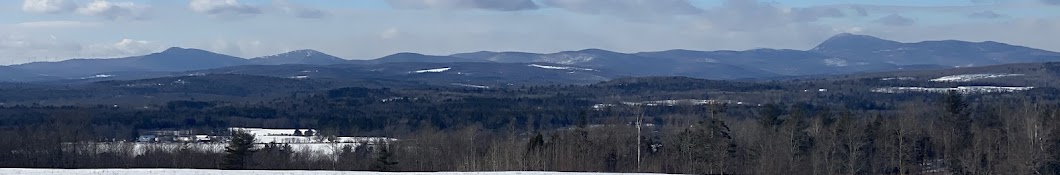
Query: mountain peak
{"x": 302, "y": 56}
{"x": 307, "y": 52}
{"x": 180, "y": 50}
{"x": 846, "y": 40}
{"x": 174, "y": 49}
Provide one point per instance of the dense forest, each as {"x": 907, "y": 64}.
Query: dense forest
{"x": 625, "y": 125}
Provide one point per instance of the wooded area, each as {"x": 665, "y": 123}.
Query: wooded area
{"x": 554, "y": 128}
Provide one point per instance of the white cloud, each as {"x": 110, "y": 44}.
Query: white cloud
{"x": 123, "y": 48}
{"x": 630, "y": 9}
{"x": 389, "y": 33}
{"x": 746, "y": 15}
{"x": 115, "y": 10}
{"x": 496, "y": 5}
{"x": 300, "y": 11}
{"x": 985, "y": 15}
{"x": 895, "y": 20}
{"x": 55, "y": 24}
{"x": 48, "y": 6}
{"x": 17, "y": 49}
{"x": 223, "y": 8}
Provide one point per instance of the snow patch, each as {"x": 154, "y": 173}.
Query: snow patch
{"x": 438, "y": 70}
{"x": 300, "y": 77}
{"x": 558, "y": 67}
{"x": 98, "y": 76}
{"x": 960, "y": 89}
{"x": 897, "y": 79}
{"x": 678, "y": 102}
{"x": 835, "y": 62}
{"x": 971, "y": 77}
{"x": 567, "y": 59}
{"x": 471, "y": 85}
{"x": 709, "y": 60}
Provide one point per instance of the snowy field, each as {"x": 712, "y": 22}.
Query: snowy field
{"x": 256, "y": 172}
{"x": 961, "y": 89}
{"x": 438, "y": 70}
{"x": 971, "y": 77}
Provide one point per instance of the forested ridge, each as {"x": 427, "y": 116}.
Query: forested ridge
{"x": 773, "y": 127}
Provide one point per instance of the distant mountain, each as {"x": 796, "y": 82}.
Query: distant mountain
{"x": 460, "y": 73}
{"x": 861, "y": 48}
{"x": 840, "y": 54}
{"x": 778, "y": 62}
{"x": 299, "y": 57}
{"x": 172, "y": 59}
{"x": 181, "y": 59}
{"x": 631, "y": 64}
{"x": 406, "y": 57}
{"x": 502, "y": 57}
{"x": 10, "y": 74}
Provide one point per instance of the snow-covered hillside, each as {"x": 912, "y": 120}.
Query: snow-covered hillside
{"x": 558, "y": 67}
{"x": 14, "y": 171}
{"x": 971, "y": 77}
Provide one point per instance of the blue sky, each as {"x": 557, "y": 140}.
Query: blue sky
{"x": 51, "y": 30}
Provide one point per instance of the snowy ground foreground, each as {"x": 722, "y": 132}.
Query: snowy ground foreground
{"x": 13, "y": 171}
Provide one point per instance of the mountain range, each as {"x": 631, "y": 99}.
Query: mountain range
{"x": 840, "y": 54}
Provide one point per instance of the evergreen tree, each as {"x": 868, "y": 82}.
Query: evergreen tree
{"x": 384, "y": 160}
{"x": 239, "y": 149}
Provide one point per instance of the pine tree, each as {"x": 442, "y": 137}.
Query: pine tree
{"x": 384, "y": 160}
{"x": 238, "y": 151}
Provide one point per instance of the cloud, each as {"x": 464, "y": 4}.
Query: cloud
{"x": 496, "y": 5}
{"x": 813, "y": 14}
{"x": 223, "y": 8}
{"x": 298, "y": 10}
{"x": 48, "y": 6}
{"x": 125, "y": 47}
{"x": 985, "y": 15}
{"x": 115, "y": 10}
{"x": 55, "y": 24}
{"x": 746, "y": 15}
{"x": 389, "y": 33}
{"x": 1051, "y": 2}
{"x": 21, "y": 48}
{"x": 635, "y": 9}
{"x": 895, "y": 20}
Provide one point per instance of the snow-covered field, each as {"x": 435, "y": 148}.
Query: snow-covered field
{"x": 438, "y": 70}
{"x": 262, "y": 135}
{"x": 14, "y": 171}
{"x": 318, "y": 150}
{"x": 677, "y": 102}
{"x": 558, "y": 67}
{"x": 897, "y": 78}
{"x": 470, "y": 85}
{"x": 961, "y": 89}
{"x": 971, "y": 77}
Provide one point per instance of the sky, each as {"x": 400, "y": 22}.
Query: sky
{"x": 53, "y": 30}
